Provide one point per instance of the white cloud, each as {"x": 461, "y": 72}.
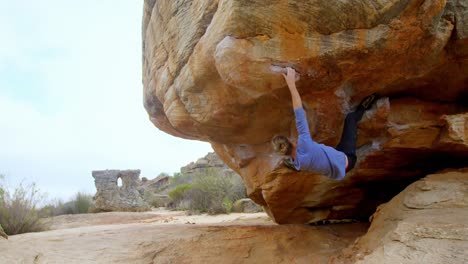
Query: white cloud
{"x": 87, "y": 55}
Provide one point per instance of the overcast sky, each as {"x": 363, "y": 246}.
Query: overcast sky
{"x": 71, "y": 96}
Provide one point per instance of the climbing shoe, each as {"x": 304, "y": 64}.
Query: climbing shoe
{"x": 288, "y": 162}
{"x": 367, "y": 102}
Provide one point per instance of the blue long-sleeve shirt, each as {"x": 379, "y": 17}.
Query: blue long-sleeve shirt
{"x": 312, "y": 156}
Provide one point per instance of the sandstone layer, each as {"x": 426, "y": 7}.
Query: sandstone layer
{"x": 426, "y": 223}
{"x": 120, "y": 237}
{"x": 208, "y": 75}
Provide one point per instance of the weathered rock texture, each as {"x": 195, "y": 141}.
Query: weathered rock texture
{"x": 157, "y": 184}
{"x": 210, "y": 162}
{"x": 207, "y": 75}
{"x": 246, "y": 205}
{"x": 168, "y": 244}
{"x": 426, "y": 223}
{"x": 111, "y": 197}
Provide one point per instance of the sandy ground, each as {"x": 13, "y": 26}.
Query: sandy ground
{"x": 162, "y": 236}
{"x": 156, "y": 216}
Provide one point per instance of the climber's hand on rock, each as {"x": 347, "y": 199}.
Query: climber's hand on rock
{"x": 290, "y": 77}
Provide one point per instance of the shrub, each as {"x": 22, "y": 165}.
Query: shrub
{"x": 178, "y": 193}
{"x": 156, "y": 200}
{"x": 227, "y": 204}
{"x": 211, "y": 192}
{"x": 180, "y": 179}
{"x": 46, "y": 211}
{"x": 18, "y": 212}
{"x": 196, "y": 200}
{"x": 81, "y": 204}
{"x": 66, "y": 208}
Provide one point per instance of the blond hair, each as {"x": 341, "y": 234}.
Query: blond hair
{"x": 281, "y": 145}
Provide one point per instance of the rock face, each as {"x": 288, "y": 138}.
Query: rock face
{"x": 426, "y": 223}
{"x": 143, "y": 243}
{"x": 246, "y": 205}
{"x": 210, "y": 162}
{"x": 208, "y": 74}
{"x": 156, "y": 184}
{"x": 111, "y": 197}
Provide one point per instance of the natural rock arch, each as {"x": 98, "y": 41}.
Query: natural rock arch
{"x": 111, "y": 197}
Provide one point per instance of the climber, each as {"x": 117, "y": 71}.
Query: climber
{"x": 309, "y": 155}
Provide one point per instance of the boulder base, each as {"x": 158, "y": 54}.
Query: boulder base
{"x": 426, "y": 223}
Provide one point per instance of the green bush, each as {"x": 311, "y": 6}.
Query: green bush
{"x": 156, "y": 200}
{"x": 156, "y": 203}
{"x": 227, "y": 204}
{"x": 83, "y": 202}
{"x": 80, "y": 204}
{"x": 210, "y": 192}
{"x": 180, "y": 179}
{"x": 177, "y": 194}
{"x": 66, "y": 208}
{"x": 46, "y": 211}
{"x": 18, "y": 212}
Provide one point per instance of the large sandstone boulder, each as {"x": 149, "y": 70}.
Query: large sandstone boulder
{"x": 208, "y": 74}
{"x": 426, "y": 223}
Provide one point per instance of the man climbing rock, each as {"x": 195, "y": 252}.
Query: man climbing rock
{"x": 309, "y": 155}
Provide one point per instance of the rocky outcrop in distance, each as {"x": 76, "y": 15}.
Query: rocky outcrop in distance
{"x": 111, "y": 197}
{"x": 156, "y": 184}
{"x": 208, "y": 74}
{"x": 210, "y": 161}
{"x": 135, "y": 194}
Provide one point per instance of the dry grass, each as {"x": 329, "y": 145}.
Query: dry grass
{"x": 18, "y": 210}
{"x": 80, "y": 204}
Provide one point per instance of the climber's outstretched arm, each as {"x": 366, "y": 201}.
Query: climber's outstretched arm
{"x": 290, "y": 78}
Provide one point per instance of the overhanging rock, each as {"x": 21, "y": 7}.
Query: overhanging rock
{"x": 207, "y": 75}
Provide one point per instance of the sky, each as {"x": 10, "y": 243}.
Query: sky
{"x": 71, "y": 96}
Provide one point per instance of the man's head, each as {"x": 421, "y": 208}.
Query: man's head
{"x": 281, "y": 145}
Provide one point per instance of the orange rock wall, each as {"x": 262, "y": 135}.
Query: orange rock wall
{"x": 207, "y": 75}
